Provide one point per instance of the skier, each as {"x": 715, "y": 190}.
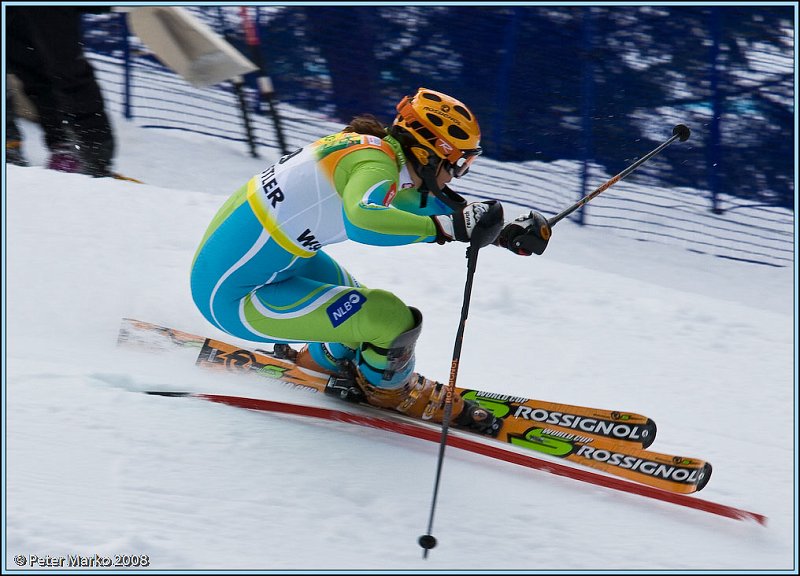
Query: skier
{"x": 260, "y": 272}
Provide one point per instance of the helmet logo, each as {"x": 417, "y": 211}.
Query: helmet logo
{"x": 443, "y": 112}
{"x": 446, "y": 148}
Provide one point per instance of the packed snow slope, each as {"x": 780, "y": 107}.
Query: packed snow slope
{"x": 703, "y": 345}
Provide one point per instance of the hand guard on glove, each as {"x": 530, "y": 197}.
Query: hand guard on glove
{"x": 460, "y": 225}
{"x": 526, "y": 235}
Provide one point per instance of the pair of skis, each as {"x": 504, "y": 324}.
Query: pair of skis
{"x": 614, "y": 442}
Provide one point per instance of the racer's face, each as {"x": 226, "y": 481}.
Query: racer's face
{"x": 415, "y": 178}
{"x": 443, "y": 175}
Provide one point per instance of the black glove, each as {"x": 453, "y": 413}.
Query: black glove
{"x": 460, "y": 225}
{"x": 526, "y": 235}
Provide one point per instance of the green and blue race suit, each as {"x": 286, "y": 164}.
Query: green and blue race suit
{"x": 260, "y": 272}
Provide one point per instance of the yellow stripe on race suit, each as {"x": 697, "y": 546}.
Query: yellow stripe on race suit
{"x": 269, "y": 223}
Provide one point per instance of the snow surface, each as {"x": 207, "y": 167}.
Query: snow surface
{"x": 703, "y": 345}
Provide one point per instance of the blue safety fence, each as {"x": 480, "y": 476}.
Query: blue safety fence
{"x": 546, "y": 117}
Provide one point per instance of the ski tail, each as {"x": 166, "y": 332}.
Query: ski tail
{"x": 139, "y": 334}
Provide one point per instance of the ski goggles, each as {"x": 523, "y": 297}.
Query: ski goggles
{"x": 461, "y": 166}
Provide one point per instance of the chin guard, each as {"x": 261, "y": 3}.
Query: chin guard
{"x": 448, "y": 196}
{"x": 424, "y": 161}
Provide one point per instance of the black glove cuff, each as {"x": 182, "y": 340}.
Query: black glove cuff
{"x": 441, "y": 237}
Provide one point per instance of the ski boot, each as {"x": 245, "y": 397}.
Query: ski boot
{"x": 319, "y": 359}
{"x": 65, "y": 158}
{"x": 424, "y": 399}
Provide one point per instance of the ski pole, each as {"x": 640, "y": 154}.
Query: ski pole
{"x": 681, "y": 132}
{"x": 485, "y": 233}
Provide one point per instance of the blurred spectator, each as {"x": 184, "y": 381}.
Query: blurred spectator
{"x": 13, "y": 136}
{"x": 44, "y": 51}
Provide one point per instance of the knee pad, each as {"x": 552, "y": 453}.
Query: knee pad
{"x": 383, "y": 319}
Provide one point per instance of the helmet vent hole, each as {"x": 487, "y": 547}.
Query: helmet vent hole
{"x": 463, "y": 111}
{"x": 457, "y": 132}
{"x": 429, "y": 96}
{"x": 434, "y": 119}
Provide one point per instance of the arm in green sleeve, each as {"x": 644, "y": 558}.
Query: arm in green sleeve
{"x": 369, "y": 184}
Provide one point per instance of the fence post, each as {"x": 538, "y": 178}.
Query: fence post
{"x": 713, "y": 154}
{"x": 587, "y": 101}
{"x": 126, "y": 63}
{"x": 504, "y": 73}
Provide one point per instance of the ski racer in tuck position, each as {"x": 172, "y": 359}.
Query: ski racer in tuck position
{"x": 260, "y": 272}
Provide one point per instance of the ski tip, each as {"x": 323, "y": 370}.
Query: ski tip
{"x": 650, "y": 436}
{"x": 704, "y": 476}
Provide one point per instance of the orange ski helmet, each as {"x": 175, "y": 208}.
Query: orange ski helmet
{"x": 441, "y": 128}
